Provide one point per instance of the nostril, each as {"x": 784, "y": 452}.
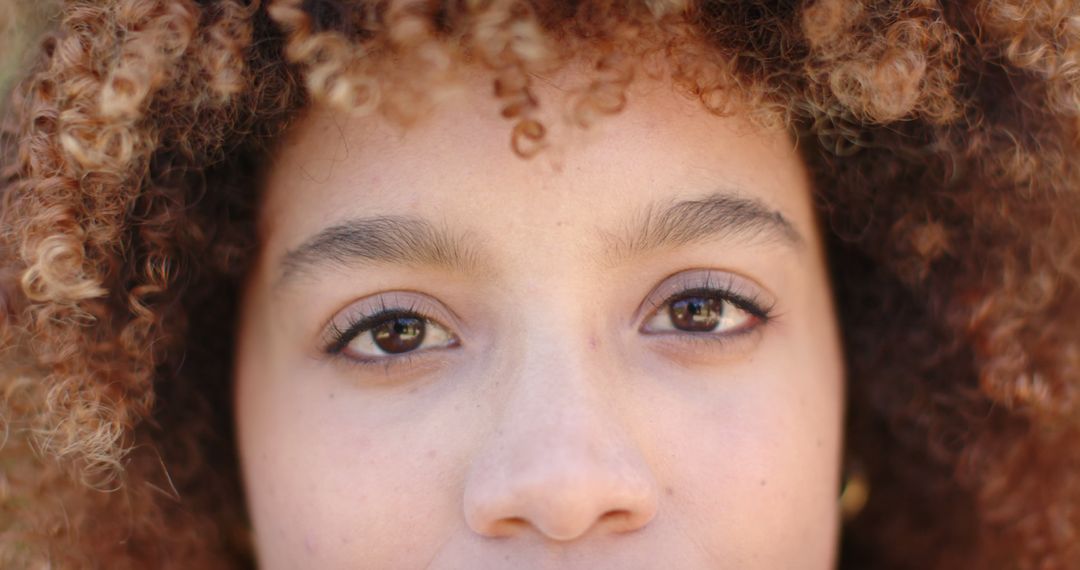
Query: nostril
{"x": 582, "y": 477}
{"x": 507, "y": 527}
{"x": 620, "y": 520}
{"x": 615, "y": 514}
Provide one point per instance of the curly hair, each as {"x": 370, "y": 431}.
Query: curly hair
{"x": 942, "y": 138}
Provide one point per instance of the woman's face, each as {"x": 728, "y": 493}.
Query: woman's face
{"x": 618, "y": 354}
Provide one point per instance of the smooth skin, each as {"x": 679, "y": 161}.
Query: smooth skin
{"x": 621, "y": 353}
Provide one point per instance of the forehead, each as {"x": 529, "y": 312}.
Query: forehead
{"x": 456, "y": 165}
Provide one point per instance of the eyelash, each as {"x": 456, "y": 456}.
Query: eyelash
{"x": 693, "y": 285}
{"x": 354, "y": 327}
{"x": 339, "y": 338}
{"x": 751, "y": 305}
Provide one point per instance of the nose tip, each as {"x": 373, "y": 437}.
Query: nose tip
{"x": 561, "y": 459}
{"x": 561, "y": 505}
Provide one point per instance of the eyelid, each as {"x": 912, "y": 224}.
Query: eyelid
{"x": 743, "y": 289}
{"x": 392, "y": 301}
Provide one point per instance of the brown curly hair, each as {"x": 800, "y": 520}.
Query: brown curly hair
{"x": 943, "y": 139}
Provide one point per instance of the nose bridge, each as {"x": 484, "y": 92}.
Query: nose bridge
{"x": 559, "y": 459}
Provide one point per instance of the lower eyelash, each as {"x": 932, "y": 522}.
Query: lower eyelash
{"x": 387, "y": 363}
{"x": 340, "y": 338}
{"x": 707, "y": 339}
{"x": 686, "y": 348}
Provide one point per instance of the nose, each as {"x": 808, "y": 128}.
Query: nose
{"x": 559, "y": 463}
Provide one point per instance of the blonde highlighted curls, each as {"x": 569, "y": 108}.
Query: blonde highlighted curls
{"x": 942, "y": 137}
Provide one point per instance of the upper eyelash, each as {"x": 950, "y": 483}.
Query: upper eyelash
{"x": 340, "y": 338}
{"x": 751, "y": 304}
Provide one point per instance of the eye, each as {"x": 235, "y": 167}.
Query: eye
{"x": 703, "y": 312}
{"x": 388, "y": 334}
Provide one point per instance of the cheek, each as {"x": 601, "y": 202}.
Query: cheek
{"x": 330, "y": 477}
{"x": 752, "y": 462}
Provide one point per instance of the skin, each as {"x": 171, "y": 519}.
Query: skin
{"x": 556, "y": 422}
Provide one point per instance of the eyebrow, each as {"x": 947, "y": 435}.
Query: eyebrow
{"x": 380, "y": 240}
{"x": 413, "y": 240}
{"x": 722, "y": 214}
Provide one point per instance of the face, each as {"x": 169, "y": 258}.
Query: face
{"x": 618, "y": 354}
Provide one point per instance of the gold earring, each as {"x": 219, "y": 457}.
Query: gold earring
{"x": 855, "y": 493}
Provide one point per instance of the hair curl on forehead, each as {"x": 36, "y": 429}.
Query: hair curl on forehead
{"x": 942, "y": 138}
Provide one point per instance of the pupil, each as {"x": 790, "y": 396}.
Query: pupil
{"x": 696, "y": 314}
{"x": 400, "y": 334}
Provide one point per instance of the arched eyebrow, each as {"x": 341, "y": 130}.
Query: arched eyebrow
{"x": 380, "y": 240}
{"x": 718, "y": 215}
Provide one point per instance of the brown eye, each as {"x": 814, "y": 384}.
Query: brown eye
{"x": 399, "y": 334}
{"x": 392, "y": 334}
{"x": 696, "y": 314}
{"x": 700, "y": 314}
